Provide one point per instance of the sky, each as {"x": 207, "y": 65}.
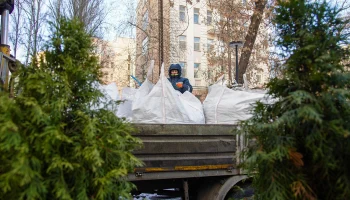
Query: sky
{"x": 122, "y": 12}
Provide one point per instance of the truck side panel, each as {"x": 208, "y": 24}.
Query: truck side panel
{"x": 180, "y": 151}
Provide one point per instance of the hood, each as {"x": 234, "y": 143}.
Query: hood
{"x": 175, "y": 66}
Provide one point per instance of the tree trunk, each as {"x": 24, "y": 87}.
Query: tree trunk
{"x": 255, "y": 21}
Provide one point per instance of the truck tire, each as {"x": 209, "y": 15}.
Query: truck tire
{"x": 218, "y": 190}
{"x": 243, "y": 191}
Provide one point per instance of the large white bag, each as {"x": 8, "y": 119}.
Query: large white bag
{"x": 110, "y": 91}
{"x": 124, "y": 107}
{"x": 111, "y": 95}
{"x": 131, "y": 95}
{"x": 225, "y": 106}
{"x": 165, "y": 105}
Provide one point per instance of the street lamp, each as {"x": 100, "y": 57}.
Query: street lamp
{"x": 236, "y": 44}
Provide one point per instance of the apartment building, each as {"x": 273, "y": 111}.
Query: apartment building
{"x": 191, "y": 38}
{"x": 117, "y": 60}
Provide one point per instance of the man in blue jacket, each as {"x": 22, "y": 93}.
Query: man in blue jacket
{"x": 179, "y": 83}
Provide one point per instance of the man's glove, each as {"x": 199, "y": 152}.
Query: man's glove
{"x": 179, "y": 84}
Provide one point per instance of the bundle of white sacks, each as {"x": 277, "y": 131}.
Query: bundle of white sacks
{"x": 162, "y": 104}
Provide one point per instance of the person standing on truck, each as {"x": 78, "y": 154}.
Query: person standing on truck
{"x": 179, "y": 83}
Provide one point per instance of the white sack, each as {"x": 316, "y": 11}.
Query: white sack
{"x": 128, "y": 93}
{"x": 110, "y": 91}
{"x": 124, "y": 107}
{"x": 225, "y": 106}
{"x": 111, "y": 95}
{"x": 193, "y": 106}
{"x": 163, "y": 105}
{"x": 132, "y": 95}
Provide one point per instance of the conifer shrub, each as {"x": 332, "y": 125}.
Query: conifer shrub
{"x": 300, "y": 145}
{"x": 54, "y": 142}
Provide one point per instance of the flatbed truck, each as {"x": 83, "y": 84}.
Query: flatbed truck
{"x": 200, "y": 160}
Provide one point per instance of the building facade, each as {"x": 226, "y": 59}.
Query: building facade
{"x": 117, "y": 60}
{"x": 192, "y": 36}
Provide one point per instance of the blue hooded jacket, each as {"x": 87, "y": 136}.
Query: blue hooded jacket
{"x": 173, "y": 80}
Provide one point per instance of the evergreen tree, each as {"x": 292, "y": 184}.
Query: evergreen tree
{"x": 300, "y": 145}
{"x": 53, "y": 145}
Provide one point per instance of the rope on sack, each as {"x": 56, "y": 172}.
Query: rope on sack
{"x": 163, "y": 94}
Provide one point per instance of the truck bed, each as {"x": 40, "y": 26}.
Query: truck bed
{"x": 185, "y": 151}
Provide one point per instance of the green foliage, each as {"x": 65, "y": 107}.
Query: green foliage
{"x": 300, "y": 145}
{"x": 53, "y": 144}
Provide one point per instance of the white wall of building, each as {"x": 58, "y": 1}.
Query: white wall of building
{"x": 116, "y": 64}
{"x": 190, "y": 30}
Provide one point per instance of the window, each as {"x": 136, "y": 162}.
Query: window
{"x": 222, "y": 69}
{"x": 145, "y": 45}
{"x": 182, "y": 13}
{"x": 182, "y": 41}
{"x": 210, "y": 45}
{"x": 210, "y": 74}
{"x": 196, "y": 15}
{"x": 183, "y": 69}
{"x": 209, "y": 17}
{"x": 197, "y": 46}
{"x": 221, "y": 47}
{"x": 196, "y": 69}
{"x": 258, "y": 78}
{"x": 145, "y": 21}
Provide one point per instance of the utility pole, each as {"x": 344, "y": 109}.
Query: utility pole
{"x": 129, "y": 69}
{"x": 160, "y": 28}
{"x": 229, "y": 66}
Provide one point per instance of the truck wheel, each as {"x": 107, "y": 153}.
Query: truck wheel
{"x": 242, "y": 191}
{"x": 220, "y": 190}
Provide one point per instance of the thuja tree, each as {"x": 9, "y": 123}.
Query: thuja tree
{"x": 300, "y": 145}
{"x": 54, "y": 141}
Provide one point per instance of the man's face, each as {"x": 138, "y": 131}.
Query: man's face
{"x": 174, "y": 72}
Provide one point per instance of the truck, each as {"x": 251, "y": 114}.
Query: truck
{"x": 198, "y": 160}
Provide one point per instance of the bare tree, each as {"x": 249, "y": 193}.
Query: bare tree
{"x": 92, "y": 13}
{"x": 33, "y": 26}
{"x": 55, "y": 10}
{"x": 17, "y": 22}
{"x": 230, "y": 22}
